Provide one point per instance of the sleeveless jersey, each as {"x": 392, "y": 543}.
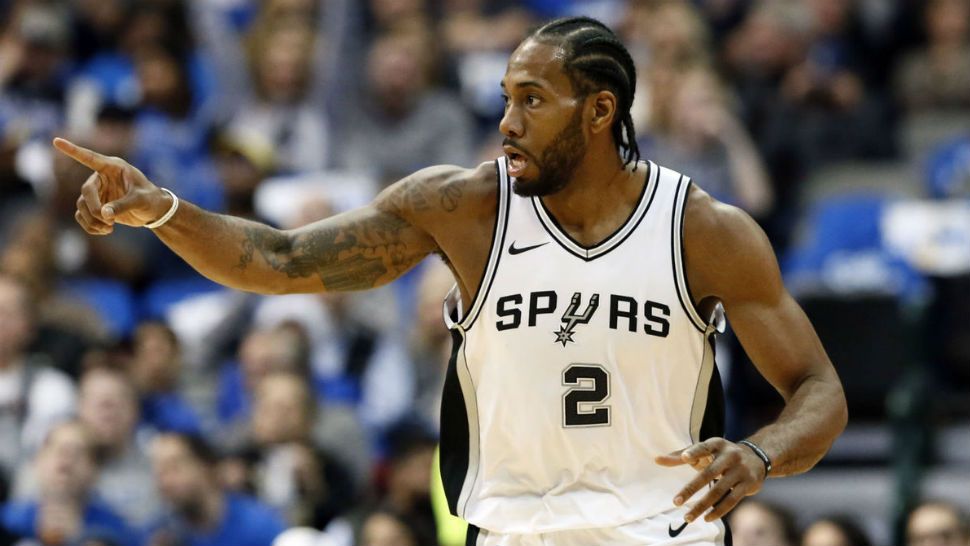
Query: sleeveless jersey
{"x": 574, "y": 367}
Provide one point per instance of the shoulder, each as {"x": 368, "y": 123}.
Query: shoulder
{"x": 725, "y": 250}
{"x": 19, "y": 516}
{"x": 251, "y": 513}
{"x": 442, "y": 190}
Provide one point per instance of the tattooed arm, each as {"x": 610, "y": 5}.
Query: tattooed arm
{"x": 360, "y": 249}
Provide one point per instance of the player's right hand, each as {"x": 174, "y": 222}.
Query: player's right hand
{"x": 115, "y": 192}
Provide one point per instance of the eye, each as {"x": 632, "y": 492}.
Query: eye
{"x": 505, "y": 98}
{"x": 532, "y": 100}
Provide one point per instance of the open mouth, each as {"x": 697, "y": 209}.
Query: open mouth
{"x": 517, "y": 161}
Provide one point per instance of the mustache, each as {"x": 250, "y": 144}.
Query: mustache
{"x": 509, "y": 142}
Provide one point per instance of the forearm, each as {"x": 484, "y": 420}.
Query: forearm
{"x": 232, "y": 251}
{"x": 813, "y": 417}
{"x": 356, "y": 250}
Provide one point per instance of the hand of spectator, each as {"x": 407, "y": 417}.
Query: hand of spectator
{"x": 115, "y": 192}
{"x": 734, "y": 472}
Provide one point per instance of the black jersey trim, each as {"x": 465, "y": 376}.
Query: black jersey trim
{"x": 713, "y": 422}
{"x": 471, "y": 536}
{"x": 677, "y": 254}
{"x": 613, "y": 240}
{"x": 495, "y": 252}
{"x": 455, "y": 448}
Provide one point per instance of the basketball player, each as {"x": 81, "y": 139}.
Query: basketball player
{"x": 580, "y": 402}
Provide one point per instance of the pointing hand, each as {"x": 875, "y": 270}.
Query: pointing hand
{"x": 115, "y": 192}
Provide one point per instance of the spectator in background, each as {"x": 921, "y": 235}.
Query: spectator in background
{"x": 835, "y": 531}
{"x": 34, "y": 69}
{"x": 938, "y": 75}
{"x": 937, "y": 523}
{"x": 703, "y": 137}
{"x": 827, "y": 112}
{"x": 285, "y": 105}
{"x": 108, "y": 406}
{"x": 755, "y": 523}
{"x": 200, "y": 513}
{"x": 284, "y": 461}
{"x": 155, "y": 371}
{"x": 430, "y": 343}
{"x": 386, "y": 527}
{"x": 407, "y": 484}
{"x": 244, "y": 158}
{"x": 403, "y": 122}
{"x": 66, "y": 510}
{"x": 173, "y": 124}
{"x": 667, "y": 38}
{"x": 33, "y": 396}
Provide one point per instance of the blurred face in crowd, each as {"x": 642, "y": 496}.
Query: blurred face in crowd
{"x": 544, "y": 133}
{"x": 410, "y": 477}
{"x": 947, "y": 21}
{"x": 162, "y": 80}
{"x": 108, "y": 405}
{"x": 698, "y": 108}
{"x": 765, "y": 43}
{"x": 825, "y": 533}
{"x": 284, "y": 63}
{"x": 386, "y": 12}
{"x": 830, "y": 16}
{"x": 675, "y": 32}
{"x": 16, "y": 325}
{"x": 282, "y": 410}
{"x": 182, "y": 479}
{"x": 936, "y": 524}
{"x": 754, "y": 525}
{"x": 396, "y": 69}
{"x": 66, "y": 467}
{"x": 385, "y": 530}
{"x": 266, "y": 351}
{"x": 155, "y": 365}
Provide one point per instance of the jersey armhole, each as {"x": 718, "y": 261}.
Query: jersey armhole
{"x": 453, "y": 308}
{"x": 677, "y": 236}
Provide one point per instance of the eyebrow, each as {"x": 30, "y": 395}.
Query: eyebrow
{"x": 529, "y": 83}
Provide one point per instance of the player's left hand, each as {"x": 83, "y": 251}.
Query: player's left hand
{"x": 734, "y": 470}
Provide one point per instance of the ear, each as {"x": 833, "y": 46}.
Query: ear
{"x": 603, "y": 110}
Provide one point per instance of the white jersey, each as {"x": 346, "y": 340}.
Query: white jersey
{"x": 574, "y": 367}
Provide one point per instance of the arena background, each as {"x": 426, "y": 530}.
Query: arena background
{"x": 842, "y": 126}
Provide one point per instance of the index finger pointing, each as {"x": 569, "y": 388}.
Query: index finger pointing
{"x": 90, "y": 159}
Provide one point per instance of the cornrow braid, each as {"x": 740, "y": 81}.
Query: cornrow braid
{"x": 594, "y": 58}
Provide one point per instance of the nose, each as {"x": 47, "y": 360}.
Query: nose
{"x": 511, "y": 124}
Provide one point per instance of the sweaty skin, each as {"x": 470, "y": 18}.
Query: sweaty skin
{"x": 451, "y": 211}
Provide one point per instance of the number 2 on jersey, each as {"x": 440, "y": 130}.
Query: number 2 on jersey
{"x": 582, "y": 405}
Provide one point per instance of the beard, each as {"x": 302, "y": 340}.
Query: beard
{"x": 558, "y": 161}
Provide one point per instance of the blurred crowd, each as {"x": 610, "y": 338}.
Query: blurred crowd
{"x": 141, "y": 404}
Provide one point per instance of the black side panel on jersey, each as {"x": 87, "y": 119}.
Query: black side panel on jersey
{"x": 454, "y": 429}
{"x": 712, "y": 424}
{"x": 471, "y": 537}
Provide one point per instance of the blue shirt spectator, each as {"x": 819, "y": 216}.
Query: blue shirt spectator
{"x": 245, "y": 522}
{"x": 98, "y": 522}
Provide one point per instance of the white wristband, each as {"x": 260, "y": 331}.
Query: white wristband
{"x": 168, "y": 215}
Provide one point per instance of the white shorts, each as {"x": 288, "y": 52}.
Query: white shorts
{"x": 664, "y": 529}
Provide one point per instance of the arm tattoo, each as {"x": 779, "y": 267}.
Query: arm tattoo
{"x": 350, "y": 257}
{"x": 451, "y": 194}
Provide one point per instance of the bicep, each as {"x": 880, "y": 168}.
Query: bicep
{"x": 355, "y": 250}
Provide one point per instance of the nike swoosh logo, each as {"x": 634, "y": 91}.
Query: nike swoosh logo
{"x": 513, "y": 250}
{"x": 674, "y": 532}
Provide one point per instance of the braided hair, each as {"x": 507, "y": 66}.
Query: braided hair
{"x": 594, "y": 58}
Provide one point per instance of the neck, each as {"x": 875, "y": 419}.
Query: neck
{"x": 598, "y": 187}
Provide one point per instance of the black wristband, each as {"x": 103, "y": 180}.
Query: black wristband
{"x": 760, "y": 453}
